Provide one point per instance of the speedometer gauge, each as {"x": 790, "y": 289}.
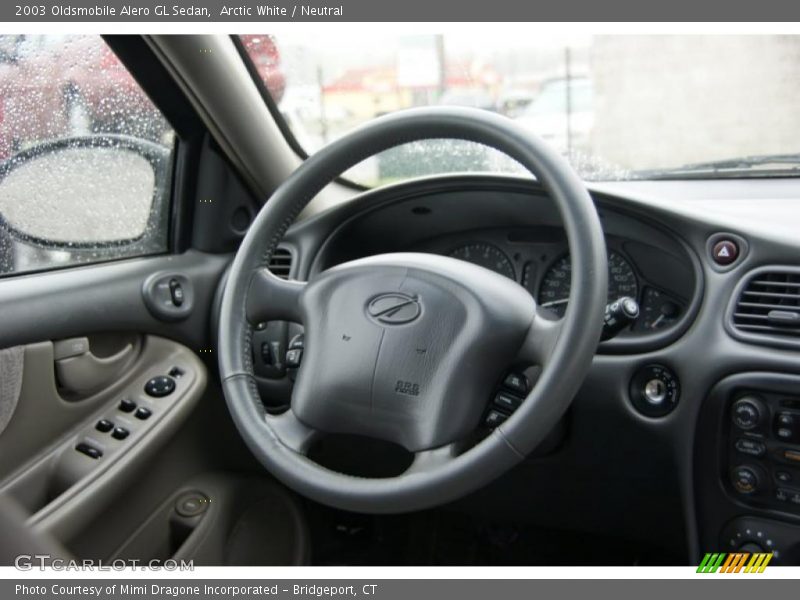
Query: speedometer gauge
{"x": 555, "y": 286}
{"x": 486, "y": 256}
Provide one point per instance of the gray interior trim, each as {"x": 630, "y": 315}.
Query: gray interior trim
{"x": 105, "y": 297}
{"x": 211, "y": 73}
{"x": 62, "y": 489}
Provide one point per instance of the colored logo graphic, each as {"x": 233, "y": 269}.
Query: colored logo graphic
{"x": 735, "y": 562}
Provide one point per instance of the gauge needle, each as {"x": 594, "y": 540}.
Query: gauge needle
{"x": 555, "y": 302}
{"x": 657, "y": 321}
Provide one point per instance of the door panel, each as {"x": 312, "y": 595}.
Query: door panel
{"x": 60, "y": 464}
{"x": 108, "y": 297}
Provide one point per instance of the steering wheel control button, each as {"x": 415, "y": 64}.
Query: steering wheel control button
{"x": 191, "y": 504}
{"x": 160, "y": 386}
{"x": 127, "y": 405}
{"x": 745, "y": 480}
{"x": 120, "y": 433}
{"x": 783, "y": 476}
{"x": 654, "y": 391}
{"x": 507, "y": 402}
{"x": 495, "y": 418}
{"x": 143, "y": 413}
{"x": 104, "y": 426}
{"x": 297, "y": 342}
{"x": 517, "y": 383}
{"x": 746, "y": 412}
{"x": 89, "y": 450}
{"x": 750, "y": 447}
{"x": 293, "y": 358}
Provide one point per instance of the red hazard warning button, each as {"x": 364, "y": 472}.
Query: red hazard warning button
{"x": 725, "y": 252}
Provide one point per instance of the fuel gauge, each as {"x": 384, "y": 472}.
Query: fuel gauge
{"x": 658, "y": 310}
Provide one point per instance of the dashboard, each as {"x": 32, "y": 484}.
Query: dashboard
{"x": 538, "y": 259}
{"x": 515, "y": 230}
{"x": 680, "y": 479}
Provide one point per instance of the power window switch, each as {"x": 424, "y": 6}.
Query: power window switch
{"x": 142, "y": 413}
{"x": 89, "y": 450}
{"x": 120, "y": 433}
{"x": 104, "y": 426}
{"x": 127, "y": 405}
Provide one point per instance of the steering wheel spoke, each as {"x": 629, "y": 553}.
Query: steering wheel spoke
{"x": 429, "y": 460}
{"x": 271, "y": 298}
{"x": 292, "y": 432}
{"x": 541, "y": 338}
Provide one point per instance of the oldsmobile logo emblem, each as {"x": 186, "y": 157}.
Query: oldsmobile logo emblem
{"x": 394, "y": 308}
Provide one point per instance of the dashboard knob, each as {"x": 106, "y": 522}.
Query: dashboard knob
{"x": 747, "y": 411}
{"x": 745, "y": 479}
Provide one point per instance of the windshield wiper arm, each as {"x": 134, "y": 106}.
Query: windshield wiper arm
{"x": 742, "y": 163}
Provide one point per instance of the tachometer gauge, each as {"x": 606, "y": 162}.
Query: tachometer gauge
{"x": 555, "y": 286}
{"x": 486, "y": 256}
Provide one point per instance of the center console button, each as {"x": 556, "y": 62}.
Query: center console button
{"x": 745, "y": 479}
{"x": 746, "y": 412}
{"x": 750, "y": 447}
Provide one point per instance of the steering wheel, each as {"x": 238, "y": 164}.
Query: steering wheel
{"x": 409, "y": 347}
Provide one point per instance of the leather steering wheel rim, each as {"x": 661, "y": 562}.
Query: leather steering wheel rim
{"x": 566, "y": 348}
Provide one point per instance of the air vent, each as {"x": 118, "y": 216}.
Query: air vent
{"x": 281, "y": 263}
{"x": 769, "y": 304}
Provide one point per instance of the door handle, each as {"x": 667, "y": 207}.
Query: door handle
{"x": 82, "y": 372}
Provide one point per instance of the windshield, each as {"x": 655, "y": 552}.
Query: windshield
{"x": 618, "y": 107}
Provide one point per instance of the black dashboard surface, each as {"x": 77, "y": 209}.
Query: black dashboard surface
{"x": 514, "y": 229}
{"x": 614, "y": 469}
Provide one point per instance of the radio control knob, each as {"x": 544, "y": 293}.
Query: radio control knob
{"x": 747, "y": 412}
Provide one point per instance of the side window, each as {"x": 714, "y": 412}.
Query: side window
{"x": 85, "y": 156}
